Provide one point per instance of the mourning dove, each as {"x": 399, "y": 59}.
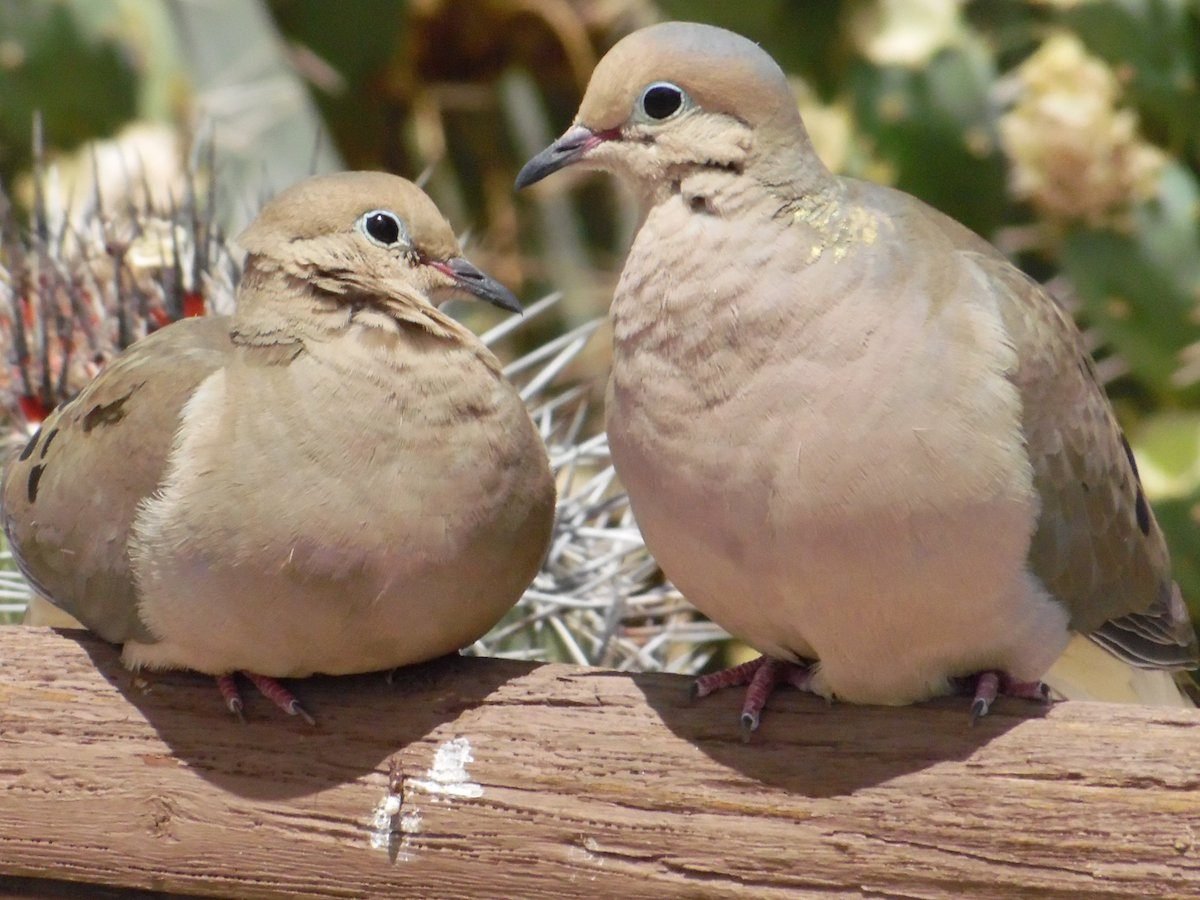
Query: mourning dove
{"x": 335, "y": 479}
{"x": 852, "y": 432}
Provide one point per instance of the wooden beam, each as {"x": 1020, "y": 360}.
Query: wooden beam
{"x": 472, "y": 777}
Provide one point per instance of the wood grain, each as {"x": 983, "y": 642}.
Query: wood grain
{"x": 574, "y": 782}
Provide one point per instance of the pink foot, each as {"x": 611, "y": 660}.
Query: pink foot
{"x": 762, "y": 675}
{"x": 269, "y": 688}
{"x": 989, "y": 685}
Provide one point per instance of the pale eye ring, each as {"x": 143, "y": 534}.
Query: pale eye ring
{"x": 661, "y": 100}
{"x": 384, "y": 228}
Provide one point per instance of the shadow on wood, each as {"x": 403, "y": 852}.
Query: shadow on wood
{"x": 494, "y": 778}
{"x": 361, "y": 721}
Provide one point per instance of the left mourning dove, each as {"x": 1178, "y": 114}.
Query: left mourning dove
{"x": 851, "y": 431}
{"x": 335, "y": 479}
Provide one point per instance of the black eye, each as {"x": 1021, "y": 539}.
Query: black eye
{"x": 382, "y": 227}
{"x": 661, "y": 100}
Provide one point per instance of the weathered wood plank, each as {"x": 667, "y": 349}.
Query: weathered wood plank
{"x": 545, "y": 781}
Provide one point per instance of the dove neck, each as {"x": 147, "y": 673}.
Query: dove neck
{"x": 276, "y": 307}
{"x": 784, "y": 162}
{"x": 779, "y": 175}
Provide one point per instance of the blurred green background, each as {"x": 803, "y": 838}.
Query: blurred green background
{"x": 1065, "y": 131}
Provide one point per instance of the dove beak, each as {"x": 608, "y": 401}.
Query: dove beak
{"x": 568, "y": 149}
{"x": 477, "y": 283}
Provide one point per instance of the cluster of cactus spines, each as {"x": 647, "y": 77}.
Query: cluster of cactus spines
{"x": 72, "y": 296}
{"x": 599, "y": 598}
{"x": 78, "y": 286}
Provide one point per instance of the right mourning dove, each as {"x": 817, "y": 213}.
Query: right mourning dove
{"x": 335, "y": 479}
{"x": 851, "y": 431}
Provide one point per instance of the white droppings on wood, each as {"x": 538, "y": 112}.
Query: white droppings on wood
{"x": 392, "y": 825}
{"x": 448, "y": 775}
{"x": 383, "y": 821}
{"x": 409, "y": 823}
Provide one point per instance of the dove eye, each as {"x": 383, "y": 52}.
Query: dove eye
{"x": 662, "y": 100}
{"x": 384, "y": 228}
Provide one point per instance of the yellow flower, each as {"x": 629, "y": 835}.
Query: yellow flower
{"x": 1075, "y": 154}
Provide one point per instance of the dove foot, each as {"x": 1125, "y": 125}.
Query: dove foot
{"x": 269, "y": 688}
{"x": 762, "y": 676}
{"x": 987, "y": 686}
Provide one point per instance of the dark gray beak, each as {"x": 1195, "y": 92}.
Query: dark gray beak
{"x": 478, "y": 283}
{"x": 569, "y": 148}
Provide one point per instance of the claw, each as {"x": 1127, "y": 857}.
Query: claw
{"x": 989, "y": 685}
{"x": 762, "y": 676}
{"x": 227, "y": 685}
{"x": 750, "y": 722}
{"x": 295, "y": 709}
{"x": 235, "y": 707}
{"x": 280, "y": 696}
{"x": 979, "y": 709}
{"x": 268, "y": 687}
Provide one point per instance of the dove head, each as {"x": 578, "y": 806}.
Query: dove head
{"x": 367, "y": 235}
{"x": 678, "y": 97}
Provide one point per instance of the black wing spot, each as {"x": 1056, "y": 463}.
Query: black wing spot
{"x": 106, "y": 413}
{"x": 31, "y": 446}
{"x": 46, "y": 446}
{"x": 1129, "y": 456}
{"x": 35, "y": 476}
{"x": 1142, "y": 508}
